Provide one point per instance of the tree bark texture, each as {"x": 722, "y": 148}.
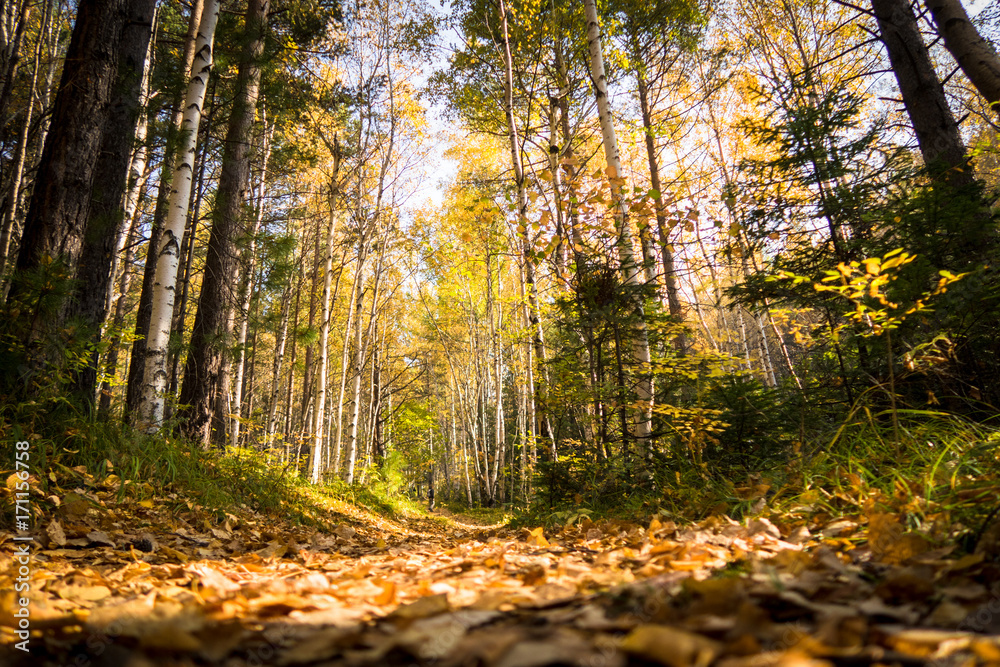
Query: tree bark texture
{"x": 56, "y": 222}
{"x": 111, "y": 179}
{"x": 210, "y": 336}
{"x": 974, "y": 54}
{"x": 923, "y": 95}
{"x": 166, "y": 253}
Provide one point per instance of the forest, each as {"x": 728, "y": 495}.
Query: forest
{"x": 500, "y": 332}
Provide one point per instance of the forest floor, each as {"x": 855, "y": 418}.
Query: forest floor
{"x": 165, "y": 582}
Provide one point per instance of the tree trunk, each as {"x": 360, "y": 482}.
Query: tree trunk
{"x": 281, "y": 340}
{"x": 166, "y": 252}
{"x": 344, "y": 357}
{"x": 94, "y": 274}
{"x": 356, "y": 367}
{"x": 522, "y": 221}
{"x": 204, "y": 371}
{"x": 10, "y": 58}
{"x": 55, "y": 226}
{"x": 111, "y": 361}
{"x": 974, "y": 54}
{"x": 324, "y": 335}
{"x": 306, "y": 400}
{"x": 630, "y": 269}
{"x": 246, "y": 290}
{"x": 669, "y": 276}
{"x": 137, "y": 362}
{"x": 287, "y": 429}
{"x": 13, "y": 204}
{"x": 923, "y": 95}
{"x": 185, "y": 271}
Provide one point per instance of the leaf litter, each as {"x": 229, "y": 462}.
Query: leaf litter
{"x": 146, "y": 586}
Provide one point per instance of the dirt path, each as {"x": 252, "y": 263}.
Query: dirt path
{"x": 447, "y": 591}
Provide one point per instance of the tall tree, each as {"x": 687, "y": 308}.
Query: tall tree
{"x": 974, "y": 54}
{"x": 111, "y": 182}
{"x": 520, "y": 185}
{"x": 631, "y": 270}
{"x": 55, "y": 225}
{"x": 204, "y": 371}
{"x": 923, "y": 94}
{"x": 324, "y": 337}
{"x": 174, "y": 137}
{"x": 167, "y": 248}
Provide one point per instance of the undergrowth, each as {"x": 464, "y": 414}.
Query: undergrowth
{"x": 941, "y": 476}
{"x": 69, "y": 451}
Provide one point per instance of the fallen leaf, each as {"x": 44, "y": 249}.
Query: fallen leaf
{"x": 99, "y": 537}
{"x": 670, "y": 646}
{"x": 430, "y": 605}
{"x": 55, "y": 532}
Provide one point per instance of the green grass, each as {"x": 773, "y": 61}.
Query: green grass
{"x": 170, "y": 470}
{"x": 931, "y": 476}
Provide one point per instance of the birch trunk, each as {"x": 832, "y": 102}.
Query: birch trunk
{"x": 630, "y": 269}
{"x": 666, "y": 253}
{"x": 137, "y": 363}
{"x": 279, "y": 357}
{"x": 184, "y": 271}
{"x": 356, "y": 365}
{"x": 522, "y": 221}
{"x": 345, "y": 355}
{"x": 13, "y": 203}
{"x": 121, "y": 298}
{"x": 324, "y": 336}
{"x": 10, "y": 55}
{"x": 167, "y": 251}
{"x": 206, "y": 372}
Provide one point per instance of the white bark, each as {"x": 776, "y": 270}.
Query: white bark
{"x": 522, "y": 221}
{"x": 338, "y": 443}
{"x": 324, "y": 336}
{"x": 630, "y": 268}
{"x": 356, "y": 367}
{"x": 167, "y": 255}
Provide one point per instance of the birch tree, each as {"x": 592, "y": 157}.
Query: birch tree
{"x": 208, "y": 361}
{"x": 155, "y": 376}
{"x": 631, "y": 270}
{"x": 324, "y": 336}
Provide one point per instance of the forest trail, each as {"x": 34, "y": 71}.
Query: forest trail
{"x": 151, "y": 586}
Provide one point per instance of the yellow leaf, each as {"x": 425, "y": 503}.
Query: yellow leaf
{"x": 388, "y": 594}
{"x": 537, "y": 538}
